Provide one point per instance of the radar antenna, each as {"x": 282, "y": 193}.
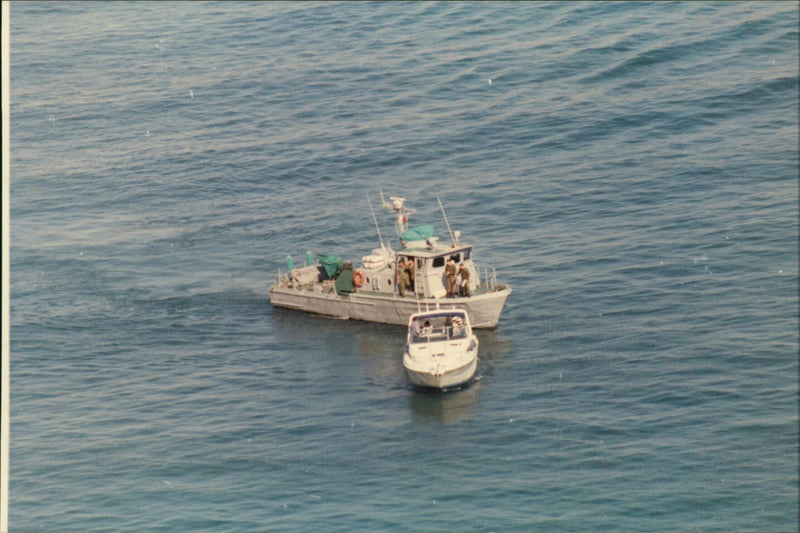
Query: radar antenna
{"x": 398, "y": 205}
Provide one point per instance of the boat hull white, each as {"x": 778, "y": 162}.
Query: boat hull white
{"x": 445, "y": 380}
{"x": 484, "y": 309}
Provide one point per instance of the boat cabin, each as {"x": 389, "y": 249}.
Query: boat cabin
{"x": 430, "y": 280}
{"x": 380, "y": 270}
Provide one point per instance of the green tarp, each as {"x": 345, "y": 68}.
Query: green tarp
{"x": 344, "y": 283}
{"x": 331, "y": 263}
{"x": 420, "y": 233}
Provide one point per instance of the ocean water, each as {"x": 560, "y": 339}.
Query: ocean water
{"x": 631, "y": 169}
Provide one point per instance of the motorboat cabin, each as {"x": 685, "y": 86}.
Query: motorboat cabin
{"x": 441, "y": 350}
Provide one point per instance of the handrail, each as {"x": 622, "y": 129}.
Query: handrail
{"x": 487, "y": 276}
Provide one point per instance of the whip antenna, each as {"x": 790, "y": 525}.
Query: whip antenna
{"x": 375, "y": 219}
{"x": 452, "y": 238}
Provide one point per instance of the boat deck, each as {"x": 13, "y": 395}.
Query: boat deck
{"x": 476, "y": 292}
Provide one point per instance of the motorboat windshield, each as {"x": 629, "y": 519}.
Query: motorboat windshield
{"x": 438, "y": 327}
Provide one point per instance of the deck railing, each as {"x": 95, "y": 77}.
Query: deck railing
{"x": 487, "y": 277}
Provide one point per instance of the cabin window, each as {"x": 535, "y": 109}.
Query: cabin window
{"x": 466, "y": 254}
{"x": 456, "y": 258}
{"x": 438, "y": 262}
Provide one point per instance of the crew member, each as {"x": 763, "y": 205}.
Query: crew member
{"x": 464, "y": 273}
{"x": 450, "y": 271}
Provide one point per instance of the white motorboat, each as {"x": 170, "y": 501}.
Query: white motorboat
{"x": 326, "y": 285}
{"x": 441, "y": 350}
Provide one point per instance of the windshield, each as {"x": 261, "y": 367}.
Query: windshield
{"x": 438, "y": 328}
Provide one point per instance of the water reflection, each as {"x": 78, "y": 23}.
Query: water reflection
{"x": 445, "y": 407}
{"x": 493, "y": 351}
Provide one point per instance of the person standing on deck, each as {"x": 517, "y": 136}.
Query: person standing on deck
{"x": 464, "y": 279}
{"x": 450, "y": 271}
{"x": 410, "y": 269}
{"x": 402, "y": 277}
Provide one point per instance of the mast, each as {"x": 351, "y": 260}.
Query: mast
{"x": 398, "y": 205}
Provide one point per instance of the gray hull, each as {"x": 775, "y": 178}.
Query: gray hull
{"x": 484, "y": 309}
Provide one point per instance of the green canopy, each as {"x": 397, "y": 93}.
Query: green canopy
{"x": 420, "y": 233}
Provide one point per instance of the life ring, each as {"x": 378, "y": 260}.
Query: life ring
{"x": 358, "y": 278}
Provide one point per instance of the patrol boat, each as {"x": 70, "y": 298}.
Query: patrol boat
{"x": 328, "y": 286}
{"x": 441, "y": 350}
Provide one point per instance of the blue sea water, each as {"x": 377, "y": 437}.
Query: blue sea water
{"x": 631, "y": 169}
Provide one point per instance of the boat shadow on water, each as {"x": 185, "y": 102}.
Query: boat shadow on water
{"x": 371, "y": 352}
{"x": 446, "y": 406}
